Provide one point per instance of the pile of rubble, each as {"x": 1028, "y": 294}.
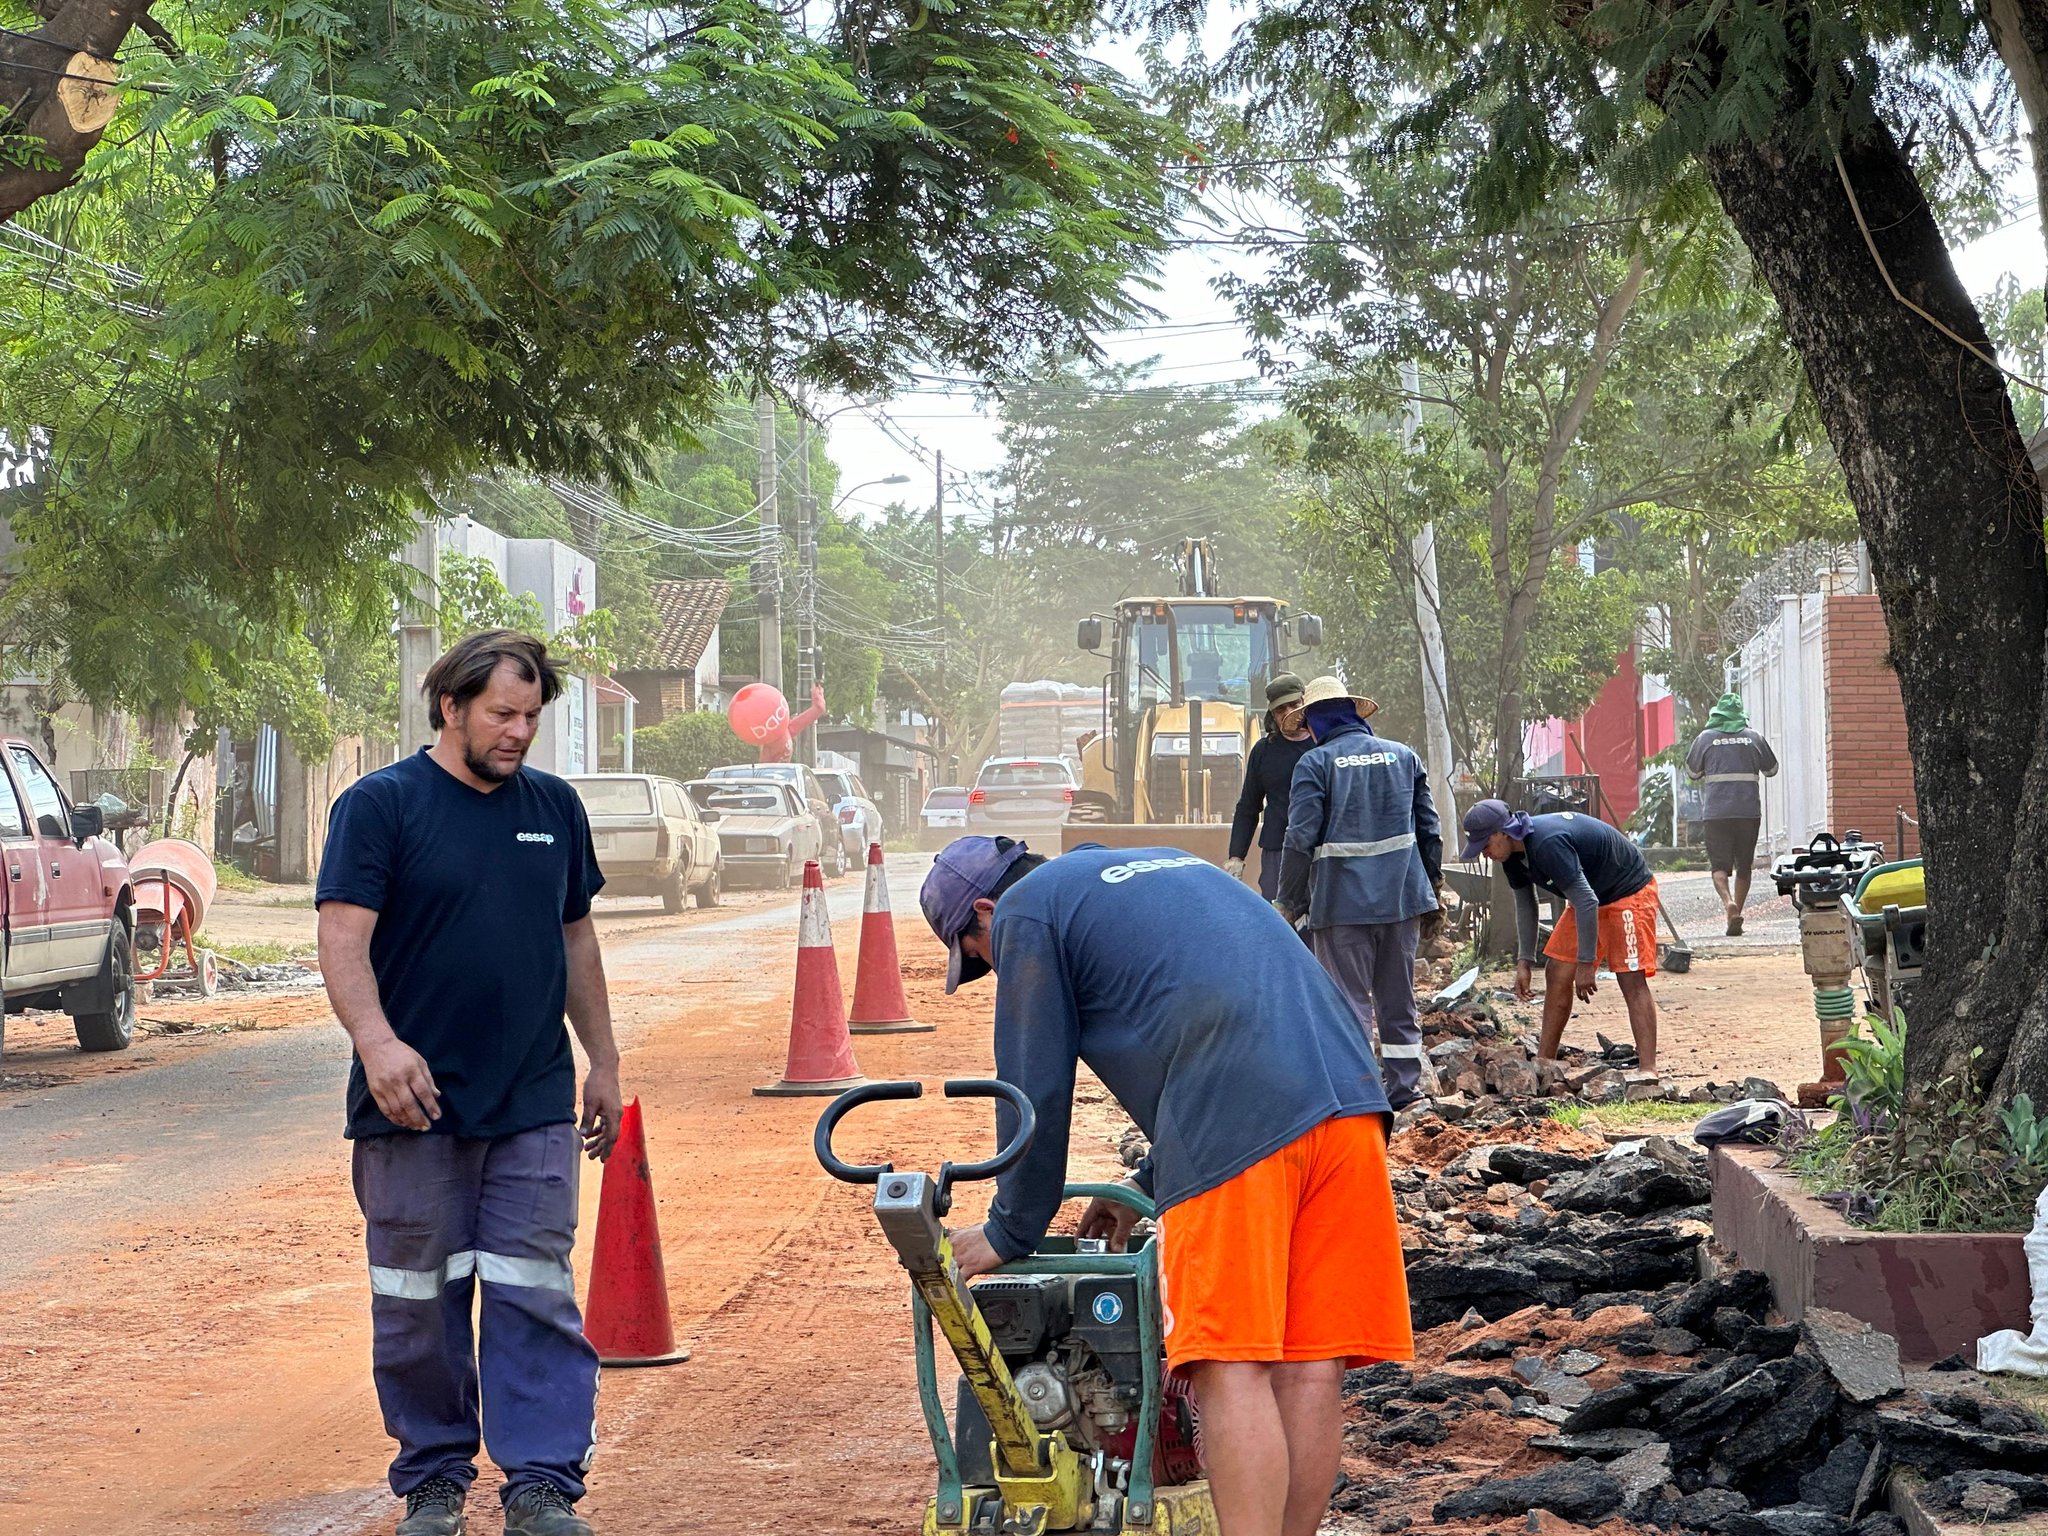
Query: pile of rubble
{"x": 1572, "y": 1369}
{"x": 1475, "y": 1056}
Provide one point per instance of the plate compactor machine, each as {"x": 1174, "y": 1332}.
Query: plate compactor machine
{"x": 1064, "y": 1417}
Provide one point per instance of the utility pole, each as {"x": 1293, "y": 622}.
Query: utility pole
{"x": 419, "y": 635}
{"x": 807, "y": 670}
{"x": 939, "y": 592}
{"x": 1436, "y": 729}
{"x": 768, "y": 559}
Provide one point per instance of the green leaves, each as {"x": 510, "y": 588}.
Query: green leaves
{"x": 355, "y": 252}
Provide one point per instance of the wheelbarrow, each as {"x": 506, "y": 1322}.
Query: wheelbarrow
{"x": 174, "y": 885}
{"x": 1889, "y": 914}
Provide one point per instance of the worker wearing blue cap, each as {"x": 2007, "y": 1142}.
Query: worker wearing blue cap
{"x": 1195, "y": 1004}
{"x": 1610, "y": 919}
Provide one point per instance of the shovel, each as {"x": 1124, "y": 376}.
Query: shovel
{"x": 1675, "y": 957}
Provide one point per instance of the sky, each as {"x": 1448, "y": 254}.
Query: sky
{"x": 1196, "y": 338}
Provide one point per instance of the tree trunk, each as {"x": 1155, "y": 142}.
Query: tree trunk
{"x": 1951, "y": 510}
{"x": 56, "y": 90}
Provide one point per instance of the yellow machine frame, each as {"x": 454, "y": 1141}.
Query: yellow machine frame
{"x": 1043, "y": 1484}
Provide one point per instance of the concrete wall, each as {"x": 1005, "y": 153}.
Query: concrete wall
{"x": 1869, "y": 771}
{"x": 77, "y": 738}
{"x": 564, "y": 581}
{"x": 306, "y": 792}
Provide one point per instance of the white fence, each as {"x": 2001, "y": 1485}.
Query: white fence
{"x": 1778, "y": 672}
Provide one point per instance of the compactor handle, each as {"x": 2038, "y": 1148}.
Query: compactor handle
{"x": 1006, "y": 1158}
{"x": 949, "y": 1173}
{"x": 866, "y": 1093}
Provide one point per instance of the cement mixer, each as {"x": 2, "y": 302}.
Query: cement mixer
{"x": 174, "y": 885}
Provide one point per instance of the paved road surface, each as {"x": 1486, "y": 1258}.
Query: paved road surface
{"x": 183, "y": 1339}
{"x": 1768, "y": 922}
{"x": 207, "y": 1117}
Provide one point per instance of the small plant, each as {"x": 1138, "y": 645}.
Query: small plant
{"x": 1908, "y": 1159}
{"x": 232, "y": 877}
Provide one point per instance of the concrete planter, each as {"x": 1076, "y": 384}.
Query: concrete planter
{"x": 1937, "y": 1293}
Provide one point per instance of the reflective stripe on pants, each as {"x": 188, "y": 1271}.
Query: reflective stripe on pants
{"x": 460, "y": 1363}
{"x": 1373, "y": 965}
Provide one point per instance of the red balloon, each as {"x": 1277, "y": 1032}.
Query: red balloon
{"x": 758, "y": 714}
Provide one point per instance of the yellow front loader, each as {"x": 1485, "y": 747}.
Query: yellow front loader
{"x": 1182, "y": 704}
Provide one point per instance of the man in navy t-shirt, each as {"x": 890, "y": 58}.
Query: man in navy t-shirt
{"x": 455, "y": 932}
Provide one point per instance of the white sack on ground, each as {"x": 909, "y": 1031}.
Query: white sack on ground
{"x": 2025, "y": 1354}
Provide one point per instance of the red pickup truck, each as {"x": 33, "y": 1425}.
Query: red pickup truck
{"x": 69, "y": 914}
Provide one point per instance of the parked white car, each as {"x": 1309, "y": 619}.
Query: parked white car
{"x": 651, "y": 840}
{"x": 860, "y": 819}
{"x": 767, "y": 832}
{"x": 804, "y": 780}
{"x": 1022, "y": 797}
{"x": 944, "y": 816}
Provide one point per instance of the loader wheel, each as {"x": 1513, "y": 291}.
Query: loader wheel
{"x": 113, "y": 1030}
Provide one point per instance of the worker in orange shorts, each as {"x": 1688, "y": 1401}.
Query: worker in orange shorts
{"x": 1610, "y": 918}
{"x": 1196, "y": 1005}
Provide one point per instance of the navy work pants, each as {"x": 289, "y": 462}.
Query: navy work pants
{"x": 1373, "y": 965}
{"x": 1269, "y": 872}
{"x": 447, "y": 1216}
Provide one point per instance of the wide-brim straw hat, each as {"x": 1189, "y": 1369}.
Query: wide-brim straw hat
{"x": 1321, "y": 690}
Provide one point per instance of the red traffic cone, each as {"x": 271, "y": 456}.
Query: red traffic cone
{"x": 820, "y": 1056}
{"x": 626, "y": 1318}
{"x": 878, "y": 1005}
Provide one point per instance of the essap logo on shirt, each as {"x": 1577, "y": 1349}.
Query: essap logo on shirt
{"x": 1363, "y": 759}
{"x": 538, "y": 837}
{"x": 1116, "y": 874}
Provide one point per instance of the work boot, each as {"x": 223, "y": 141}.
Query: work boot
{"x": 434, "y": 1509}
{"x": 542, "y": 1509}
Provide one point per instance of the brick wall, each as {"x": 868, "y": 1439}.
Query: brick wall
{"x": 1870, "y": 773}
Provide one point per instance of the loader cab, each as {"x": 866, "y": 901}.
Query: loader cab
{"x": 1173, "y": 661}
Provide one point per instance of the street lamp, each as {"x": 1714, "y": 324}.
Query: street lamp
{"x": 884, "y": 480}
{"x": 809, "y": 664}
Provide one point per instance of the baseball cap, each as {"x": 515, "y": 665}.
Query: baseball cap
{"x": 967, "y": 870}
{"x": 1286, "y": 688}
{"x": 1481, "y": 823}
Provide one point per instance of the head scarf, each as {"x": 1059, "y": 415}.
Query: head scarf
{"x": 1325, "y": 715}
{"x": 1728, "y": 714}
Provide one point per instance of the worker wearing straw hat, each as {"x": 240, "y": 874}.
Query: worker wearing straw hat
{"x": 1363, "y": 860}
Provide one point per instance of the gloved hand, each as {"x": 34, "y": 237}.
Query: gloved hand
{"x": 1433, "y": 922}
{"x": 1234, "y": 868}
{"x": 1293, "y": 917}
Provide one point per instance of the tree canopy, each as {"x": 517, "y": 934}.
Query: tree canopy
{"x": 335, "y": 260}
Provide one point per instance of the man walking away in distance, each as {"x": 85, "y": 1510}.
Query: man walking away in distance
{"x": 1611, "y": 919}
{"x": 1268, "y": 775}
{"x": 1728, "y": 756}
{"x": 1364, "y": 860}
{"x": 455, "y": 931}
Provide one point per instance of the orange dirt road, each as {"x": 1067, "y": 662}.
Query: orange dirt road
{"x": 207, "y": 1371}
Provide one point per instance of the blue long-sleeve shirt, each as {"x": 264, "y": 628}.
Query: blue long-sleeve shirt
{"x": 1580, "y": 858}
{"x": 1193, "y": 1002}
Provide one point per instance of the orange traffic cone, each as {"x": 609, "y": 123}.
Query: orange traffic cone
{"x": 878, "y": 1005}
{"x": 820, "y": 1056}
{"x": 626, "y": 1318}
